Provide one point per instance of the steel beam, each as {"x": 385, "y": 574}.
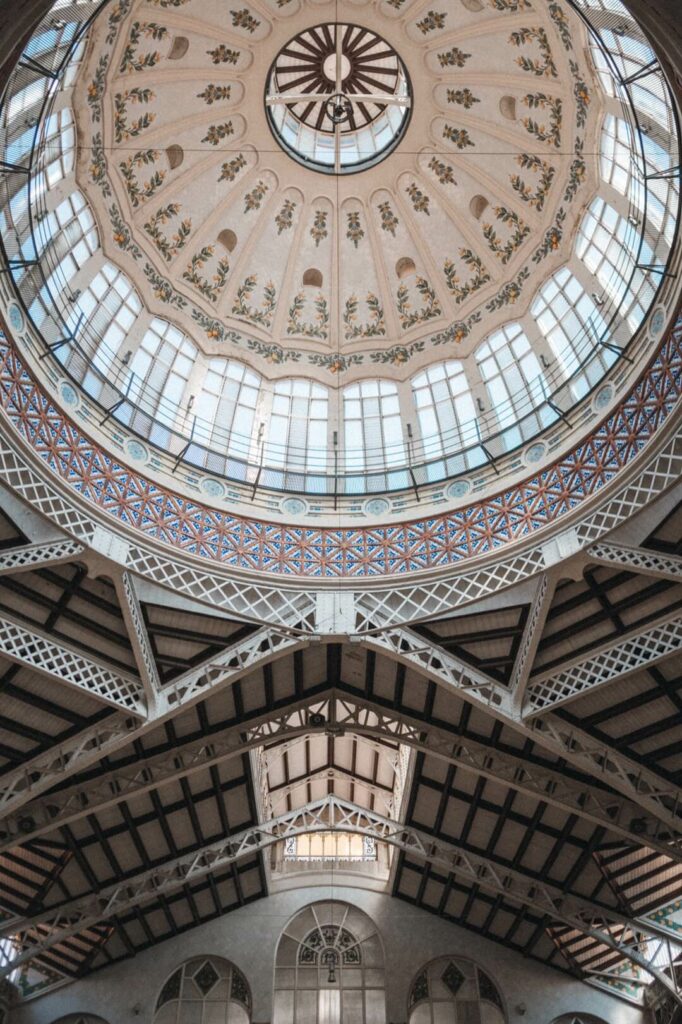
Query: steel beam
{"x": 42, "y": 773}
{"x": 639, "y": 784}
{"x": 30, "y": 647}
{"x": 342, "y": 714}
{"x": 37, "y": 556}
{"x": 138, "y": 636}
{"x": 39, "y": 933}
{"x": 605, "y": 664}
{"x": 530, "y": 639}
{"x": 650, "y": 563}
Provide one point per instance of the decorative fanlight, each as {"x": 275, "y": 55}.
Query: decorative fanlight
{"x": 330, "y": 958}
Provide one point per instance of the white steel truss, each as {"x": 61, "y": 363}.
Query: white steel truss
{"x": 40, "y": 774}
{"x": 639, "y": 940}
{"x": 614, "y": 661}
{"x": 336, "y": 713}
{"x": 639, "y": 784}
{"x": 530, "y": 638}
{"x": 138, "y": 636}
{"x": 650, "y": 563}
{"x": 36, "y": 556}
{"x": 29, "y": 646}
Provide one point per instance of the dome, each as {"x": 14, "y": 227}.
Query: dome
{"x": 347, "y": 257}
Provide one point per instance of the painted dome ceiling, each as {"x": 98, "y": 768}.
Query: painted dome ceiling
{"x": 195, "y": 184}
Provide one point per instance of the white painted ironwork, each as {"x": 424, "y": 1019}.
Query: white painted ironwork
{"x": 650, "y": 563}
{"x": 638, "y": 938}
{"x": 614, "y": 661}
{"x": 31, "y": 556}
{"x": 34, "y": 649}
{"x": 137, "y": 633}
{"x": 342, "y": 714}
{"x": 532, "y": 631}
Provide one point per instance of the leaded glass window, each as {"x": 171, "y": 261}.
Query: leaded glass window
{"x": 205, "y": 990}
{"x": 451, "y": 990}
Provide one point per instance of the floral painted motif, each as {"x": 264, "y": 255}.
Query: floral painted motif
{"x": 168, "y": 248}
{"x": 272, "y": 353}
{"x": 319, "y": 229}
{"x": 519, "y": 232}
{"x": 98, "y": 165}
{"x": 215, "y": 331}
{"x": 217, "y": 132}
{"x": 389, "y": 221}
{"x": 443, "y": 171}
{"x": 535, "y": 197}
{"x": 215, "y": 93}
{"x": 285, "y": 217}
{"x": 230, "y": 169}
{"x": 244, "y": 19}
{"x": 354, "y": 233}
{"x": 96, "y": 89}
{"x": 118, "y": 12}
{"x": 454, "y": 58}
{"x": 582, "y": 95}
{"x": 318, "y": 328}
{"x": 457, "y": 331}
{"x": 552, "y": 239}
{"x": 558, "y": 16}
{"x": 543, "y": 68}
{"x": 464, "y": 97}
{"x": 397, "y": 355}
{"x": 222, "y": 55}
{"x": 408, "y": 316}
{"x": 336, "y": 363}
{"x": 513, "y": 6}
{"x": 261, "y": 315}
{"x": 168, "y": 3}
{"x": 131, "y": 60}
{"x": 137, "y": 193}
{"x": 576, "y": 173}
{"x": 164, "y": 291}
{"x": 420, "y": 200}
{"x": 122, "y": 130}
{"x": 254, "y": 198}
{"x": 121, "y": 233}
{"x": 508, "y": 295}
{"x": 375, "y": 326}
{"x": 480, "y": 276}
{"x": 209, "y": 289}
{"x": 431, "y": 21}
{"x": 544, "y": 133}
{"x": 460, "y": 136}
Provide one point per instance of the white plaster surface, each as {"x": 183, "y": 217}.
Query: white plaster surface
{"x": 249, "y": 938}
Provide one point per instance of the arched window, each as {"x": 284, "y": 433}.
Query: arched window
{"x": 445, "y": 408}
{"x": 571, "y": 321}
{"x": 515, "y": 383}
{"x": 373, "y": 434}
{"x": 72, "y": 237}
{"x": 226, "y": 405}
{"x": 204, "y": 990}
{"x": 80, "y": 1018}
{"x": 450, "y": 990}
{"x": 607, "y": 243}
{"x": 109, "y": 306}
{"x": 329, "y": 968}
{"x": 297, "y": 431}
{"x": 161, "y": 368}
{"x": 578, "y": 1018}
{"x": 59, "y": 146}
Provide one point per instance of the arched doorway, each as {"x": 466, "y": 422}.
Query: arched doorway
{"x": 329, "y": 968}
{"x": 204, "y": 990}
{"x": 452, "y": 989}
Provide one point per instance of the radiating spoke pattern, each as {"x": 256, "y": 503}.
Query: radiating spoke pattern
{"x": 338, "y": 97}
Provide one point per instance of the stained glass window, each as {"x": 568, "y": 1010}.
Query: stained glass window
{"x": 452, "y": 989}
{"x": 205, "y": 990}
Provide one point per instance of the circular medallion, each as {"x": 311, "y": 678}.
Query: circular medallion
{"x": 294, "y": 506}
{"x": 535, "y": 453}
{"x": 68, "y": 394}
{"x": 338, "y": 98}
{"x": 657, "y": 322}
{"x": 213, "y": 488}
{"x": 603, "y": 398}
{"x": 136, "y": 450}
{"x": 15, "y": 317}
{"x": 458, "y": 489}
{"x": 377, "y": 507}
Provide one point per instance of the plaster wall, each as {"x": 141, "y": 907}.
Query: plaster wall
{"x": 249, "y": 938}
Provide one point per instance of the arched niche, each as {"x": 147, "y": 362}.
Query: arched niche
{"x": 228, "y": 239}
{"x": 80, "y": 1018}
{"x": 175, "y": 155}
{"x": 508, "y": 107}
{"x": 451, "y": 989}
{"x": 204, "y": 990}
{"x": 179, "y": 48}
{"x": 478, "y": 206}
{"x": 405, "y": 267}
{"x": 313, "y": 277}
{"x": 329, "y": 967}
{"x": 578, "y": 1018}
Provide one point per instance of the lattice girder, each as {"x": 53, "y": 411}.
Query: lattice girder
{"x": 650, "y": 563}
{"x": 613, "y": 661}
{"x": 139, "y": 638}
{"x": 532, "y": 631}
{"x": 40, "y": 933}
{"x": 343, "y": 714}
{"x": 41, "y": 555}
{"x": 30, "y": 647}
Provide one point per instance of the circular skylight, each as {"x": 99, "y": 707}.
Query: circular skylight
{"x": 338, "y": 98}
